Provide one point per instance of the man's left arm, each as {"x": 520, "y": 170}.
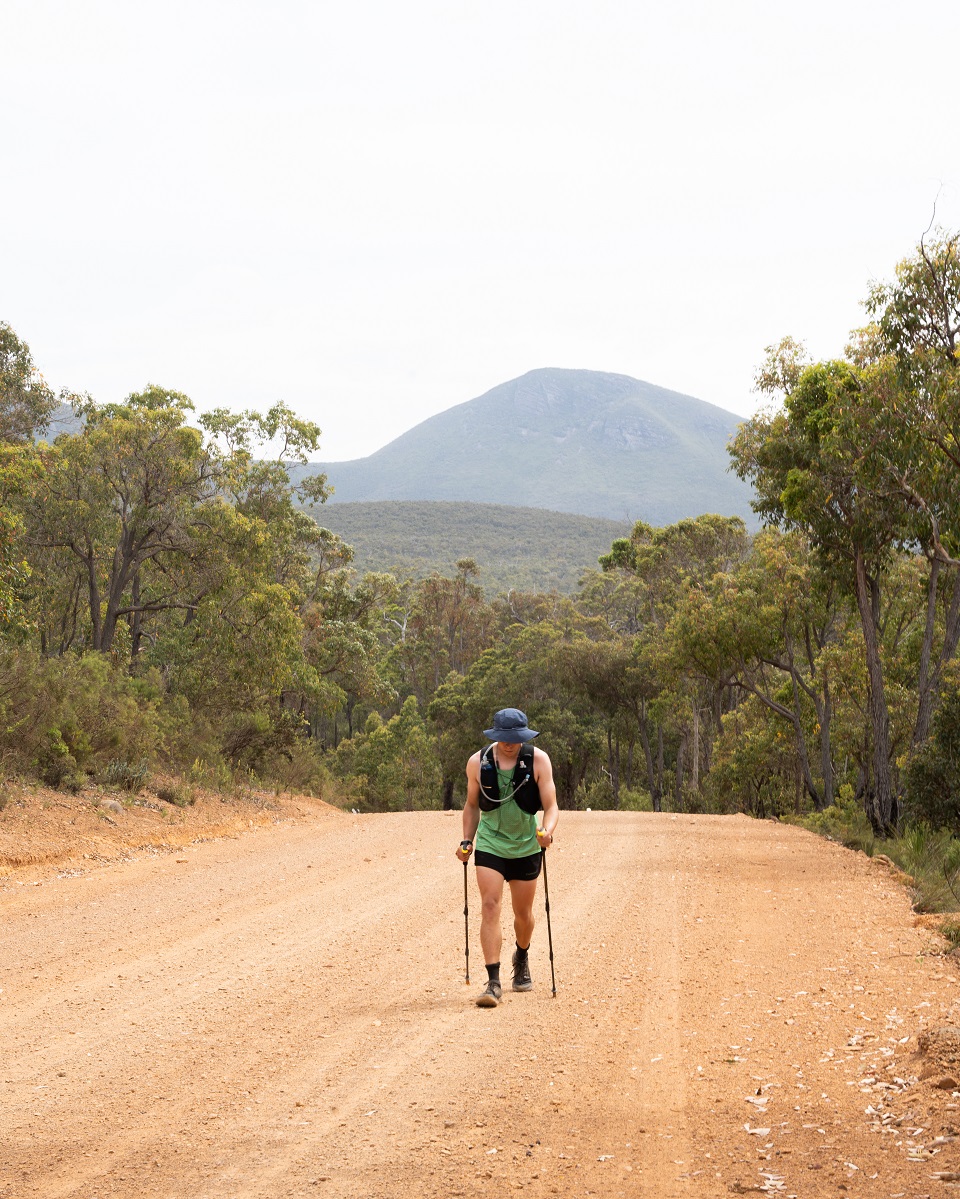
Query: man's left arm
{"x": 543, "y": 773}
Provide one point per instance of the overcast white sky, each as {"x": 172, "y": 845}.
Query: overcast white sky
{"x": 376, "y": 210}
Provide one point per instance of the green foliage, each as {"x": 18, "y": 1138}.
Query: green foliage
{"x": 253, "y": 740}
{"x": 932, "y": 774}
{"x": 395, "y": 763}
{"x": 127, "y": 776}
{"x": 862, "y": 459}
{"x": 846, "y": 822}
{"x": 931, "y": 859}
{"x": 524, "y": 549}
{"x": 55, "y": 764}
{"x": 302, "y": 770}
{"x": 66, "y": 718}
{"x": 14, "y": 575}
{"x": 165, "y": 598}
{"x": 950, "y": 929}
{"x": 25, "y": 400}
{"x": 632, "y": 800}
{"x": 179, "y": 793}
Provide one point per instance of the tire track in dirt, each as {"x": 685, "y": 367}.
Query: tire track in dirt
{"x": 286, "y": 1015}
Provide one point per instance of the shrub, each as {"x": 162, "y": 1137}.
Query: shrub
{"x": 64, "y": 718}
{"x": 844, "y": 821}
{"x": 930, "y": 856}
{"x": 396, "y": 764}
{"x": 950, "y": 929}
{"x": 635, "y": 800}
{"x": 128, "y": 776}
{"x": 179, "y": 793}
{"x": 255, "y": 740}
{"x": 596, "y": 795}
{"x": 932, "y": 776}
{"x": 301, "y": 771}
{"x": 55, "y": 764}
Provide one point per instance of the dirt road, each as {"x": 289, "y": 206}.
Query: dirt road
{"x": 284, "y": 1014}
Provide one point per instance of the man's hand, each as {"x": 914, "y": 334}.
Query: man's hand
{"x": 545, "y": 838}
{"x": 464, "y": 850}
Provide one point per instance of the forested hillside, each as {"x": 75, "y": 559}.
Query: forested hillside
{"x": 586, "y": 442}
{"x": 166, "y": 599}
{"x": 523, "y": 549}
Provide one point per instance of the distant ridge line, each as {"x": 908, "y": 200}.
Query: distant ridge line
{"x": 590, "y": 443}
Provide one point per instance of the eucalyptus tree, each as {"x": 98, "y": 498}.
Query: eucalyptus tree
{"x": 393, "y": 763}
{"x": 916, "y": 331}
{"x": 767, "y": 628}
{"x": 442, "y": 625}
{"x": 862, "y": 459}
{"x": 26, "y": 401}
{"x": 17, "y": 466}
{"x": 644, "y": 581}
{"x": 122, "y": 499}
{"x": 815, "y": 469}
{"x": 525, "y": 669}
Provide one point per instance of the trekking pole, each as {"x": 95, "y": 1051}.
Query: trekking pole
{"x": 546, "y": 900}
{"x": 466, "y": 923}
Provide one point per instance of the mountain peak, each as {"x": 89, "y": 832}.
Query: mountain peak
{"x": 581, "y": 441}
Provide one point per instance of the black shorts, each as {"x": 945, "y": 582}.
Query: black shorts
{"x": 514, "y": 870}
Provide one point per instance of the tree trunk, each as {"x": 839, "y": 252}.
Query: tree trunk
{"x": 825, "y": 715}
{"x": 93, "y": 591}
{"x": 448, "y": 795}
{"x": 678, "y": 779}
{"x": 652, "y": 782}
{"x": 613, "y": 765}
{"x": 881, "y": 803}
{"x": 136, "y": 618}
{"x": 928, "y": 681}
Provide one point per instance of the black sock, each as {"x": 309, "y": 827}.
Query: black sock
{"x": 521, "y": 952}
{"x": 493, "y": 972}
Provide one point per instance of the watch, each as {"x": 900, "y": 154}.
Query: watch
{"x": 466, "y": 845}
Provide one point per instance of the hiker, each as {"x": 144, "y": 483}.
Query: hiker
{"x": 508, "y": 783}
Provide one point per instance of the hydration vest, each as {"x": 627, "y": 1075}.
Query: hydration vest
{"x": 525, "y": 789}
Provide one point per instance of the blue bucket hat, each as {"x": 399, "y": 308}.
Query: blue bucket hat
{"x": 510, "y": 726}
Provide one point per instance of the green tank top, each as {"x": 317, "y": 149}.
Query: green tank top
{"x": 507, "y": 831}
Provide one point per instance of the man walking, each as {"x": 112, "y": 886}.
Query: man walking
{"x": 508, "y": 783}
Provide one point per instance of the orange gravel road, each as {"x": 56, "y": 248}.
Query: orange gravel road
{"x": 284, "y": 1014}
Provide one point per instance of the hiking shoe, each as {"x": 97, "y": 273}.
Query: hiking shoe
{"x": 491, "y": 995}
{"x": 521, "y": 973}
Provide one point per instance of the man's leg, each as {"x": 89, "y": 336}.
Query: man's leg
{"x": 490, "y": 883}
{"x": 522, "y": 893}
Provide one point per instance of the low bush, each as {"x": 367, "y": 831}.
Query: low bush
{"x": 179, "y": 793}
{"x": 64, "y": 719}
{"x": 635, "y": 800}
{"x": 127, "y": 776}
{"x": 929, "y": 857}
{"x": 844, "y": 821}
{"x": 932, "y": 859}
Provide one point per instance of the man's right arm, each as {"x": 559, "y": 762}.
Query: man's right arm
{"x": 471, "y": 807}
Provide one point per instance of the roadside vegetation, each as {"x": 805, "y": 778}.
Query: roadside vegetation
{"x": 168, "y": 603}
{"x": 520, "y": 549}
